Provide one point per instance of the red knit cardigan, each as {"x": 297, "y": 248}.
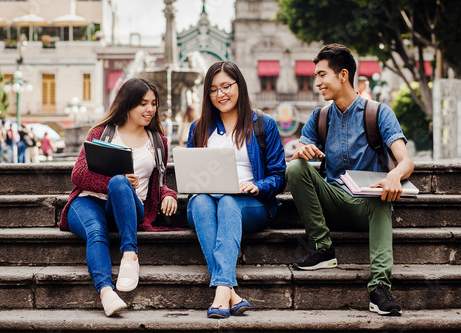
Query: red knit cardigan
{"x": 85, "y": 180}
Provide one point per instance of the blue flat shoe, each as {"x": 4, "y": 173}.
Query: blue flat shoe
{"x": 239, "y": 308}
{"x": 218, "y": 313}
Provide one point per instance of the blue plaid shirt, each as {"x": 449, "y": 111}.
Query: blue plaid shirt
{"x": 346, "y": 144}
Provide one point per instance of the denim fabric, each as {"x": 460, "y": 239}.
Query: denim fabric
{"x": 219, "y": 221}
{"x": 346, "y": 144}
{"x": 269, "y": 170}
{"x": 89, "y": 218}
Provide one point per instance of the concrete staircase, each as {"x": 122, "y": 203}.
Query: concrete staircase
{"x": 45, "y": 286}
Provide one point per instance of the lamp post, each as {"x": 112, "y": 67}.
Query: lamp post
{"x": 19, "y": 85}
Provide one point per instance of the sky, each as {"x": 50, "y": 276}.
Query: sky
{"x": 146, "y": 17}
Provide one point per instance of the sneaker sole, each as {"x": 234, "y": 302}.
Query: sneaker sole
{"x": 332, "y": 263}
{"x": 374, "y": 308}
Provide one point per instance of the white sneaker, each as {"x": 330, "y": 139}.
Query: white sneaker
{"x": 128, "y": 275}
{"x": 112, "y": 303}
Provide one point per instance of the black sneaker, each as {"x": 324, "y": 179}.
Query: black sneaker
{"x": 382, "y": 302}
{"x": 323, "y": 258}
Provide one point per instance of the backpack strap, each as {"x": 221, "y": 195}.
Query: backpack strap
{"x": 108, "y": 133}
{"x": 370, "y": 120}
{"x": 322, "y": 132}
{"x": 322, "y": 125}
{"x": 158, "y": 152}
{"x": 375, "y": 141}
{"x": 259, "y": 133}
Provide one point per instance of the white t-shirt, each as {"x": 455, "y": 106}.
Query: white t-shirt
{"x": 143, "y": 165}
{"x": 244, "y": 170}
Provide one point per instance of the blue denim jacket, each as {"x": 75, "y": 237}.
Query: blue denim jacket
{"x": 346, "y": 144}
{"x": 269, "y": 176}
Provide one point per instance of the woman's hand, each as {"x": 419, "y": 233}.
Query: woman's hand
{"x": 169, "y": 206}
{"x": 134, "y": 180}
{"x": 249, "y": 188}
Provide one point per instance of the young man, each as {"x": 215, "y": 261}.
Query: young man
{"x": 321, "y": 202}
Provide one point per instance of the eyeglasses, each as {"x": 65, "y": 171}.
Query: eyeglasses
{"x": 224, "y": 89}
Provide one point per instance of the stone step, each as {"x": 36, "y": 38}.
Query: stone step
{"x": 181, "y": 321}
{"x": 427, "y": 210}
{"x": 44, "y": 246}
{"x": 269, "y": 287}
{"x": 54, "y": 178}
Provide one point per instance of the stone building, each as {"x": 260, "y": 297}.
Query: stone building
{"x": 52, "y": 44}
{"x": 278, "y": 67}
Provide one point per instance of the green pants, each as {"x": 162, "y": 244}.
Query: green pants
{"x": 320, "y": 203}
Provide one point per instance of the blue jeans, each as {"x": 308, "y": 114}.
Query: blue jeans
{"x": 89, "y": 218}
{"x": 219, "y": 221}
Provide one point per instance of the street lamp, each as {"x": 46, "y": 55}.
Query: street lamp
{"x": 19, "y": 85}
{"x": 76, "y": 108}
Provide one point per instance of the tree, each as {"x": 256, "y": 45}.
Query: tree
{"x": 414, "y": 122}
{"x": 3, "y": 99}
{"x": 398, "y": 32}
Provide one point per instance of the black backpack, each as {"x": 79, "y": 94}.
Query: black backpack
{"x": 370, "y": 119}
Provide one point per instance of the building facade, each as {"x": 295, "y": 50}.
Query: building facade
{"x": 52, "y": 44}
{"x": 278, "y": 67}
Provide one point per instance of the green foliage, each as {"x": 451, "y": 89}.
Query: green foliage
{"x": 397, "y": 32}
{"x": 3, "y": 99}
{"x": 414, "y": 122}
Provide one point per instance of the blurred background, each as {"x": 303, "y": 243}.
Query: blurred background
{"x": 62, "y": 61}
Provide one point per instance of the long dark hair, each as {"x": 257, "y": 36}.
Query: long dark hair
{"x": 244, "y": 127}
{"x": 129, "y": 96}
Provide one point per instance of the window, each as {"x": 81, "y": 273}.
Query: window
{"x": 305, "y": 83}
{"x": 8, "y": 78}
{"x": 268, "y": 83}
{"x": 48, "y": 93}
{"x": 86, "y": 87}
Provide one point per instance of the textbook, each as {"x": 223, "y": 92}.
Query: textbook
{"x": 358, "y": 183}
{"x": 107, "y": 158}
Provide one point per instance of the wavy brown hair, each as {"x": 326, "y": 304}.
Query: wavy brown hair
{"x": 244, "y": 127}
{"x": 129, "y": 96}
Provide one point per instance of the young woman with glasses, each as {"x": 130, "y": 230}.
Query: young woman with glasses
{"x": 125, "y": 202}
{"x": 227, "y": 120}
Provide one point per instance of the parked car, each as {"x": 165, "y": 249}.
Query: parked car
{"x": 39, "y": 131}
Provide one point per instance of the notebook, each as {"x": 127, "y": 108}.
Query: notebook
{"x": 358, "y": 183}
{"x": 107, "y": 158}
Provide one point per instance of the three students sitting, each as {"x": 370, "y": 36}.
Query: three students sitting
{"x": 129, "y": 203}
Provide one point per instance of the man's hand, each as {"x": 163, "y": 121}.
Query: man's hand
{"x": 307, "y": 152}
{"x": 392, "y": 189}
{"x": 134, "y": 180}
{"x": 169, "y": 206}
{"x": 249, "y": 188}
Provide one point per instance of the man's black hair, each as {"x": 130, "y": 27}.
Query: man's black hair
{"x": 339, "y": 57}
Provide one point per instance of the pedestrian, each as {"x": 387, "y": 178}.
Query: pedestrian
{"x": 321, "y": 202}
{"x": 10, "y": 142}
{"x": 47, "y": 147}
{"x": 227, "y": 120}
{"x": 98, "y": 203}
{"x": 188, "y": 118}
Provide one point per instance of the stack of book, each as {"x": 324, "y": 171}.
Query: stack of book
{"x": 359, "y": 183}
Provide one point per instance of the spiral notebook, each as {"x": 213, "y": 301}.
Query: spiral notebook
{"x": 107, "y": 158}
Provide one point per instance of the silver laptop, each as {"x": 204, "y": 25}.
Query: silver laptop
{"x": 206, "y": 170}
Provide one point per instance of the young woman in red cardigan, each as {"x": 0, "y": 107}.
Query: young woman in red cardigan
{"x": 131, "y": 202}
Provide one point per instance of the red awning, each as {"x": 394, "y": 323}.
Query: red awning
{"x": 369, "y": 67}
{"x": 268, "y": 68}
{"x": 112, "y": 78}
{"x": 304, "y": 68}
